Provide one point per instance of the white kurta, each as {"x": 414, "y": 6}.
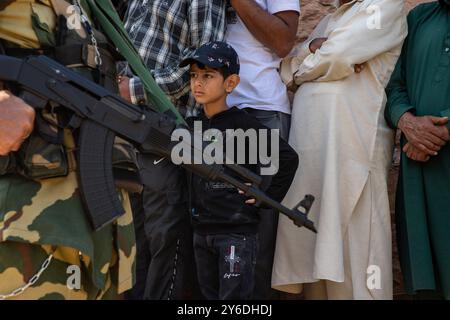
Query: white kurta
{"x": 345, "y": 149}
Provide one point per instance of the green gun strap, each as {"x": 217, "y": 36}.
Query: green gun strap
{"x": 113, "y": 27}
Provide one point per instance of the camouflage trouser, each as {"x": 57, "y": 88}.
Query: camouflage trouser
{"x": 33, "y": 214}
{"x": 20, "y": 262}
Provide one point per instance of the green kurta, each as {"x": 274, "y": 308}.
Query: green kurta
{"x": 421, "y": 85}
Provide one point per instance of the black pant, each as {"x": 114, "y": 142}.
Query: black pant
{"x": 165, "y": 264}
{"x": 226, "y": 265}
{"x": 268, "y": 225}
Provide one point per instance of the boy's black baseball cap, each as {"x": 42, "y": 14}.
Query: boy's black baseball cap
{"x": 216, "y": 55}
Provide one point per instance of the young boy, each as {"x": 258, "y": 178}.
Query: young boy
{"x": 225, "y": 221}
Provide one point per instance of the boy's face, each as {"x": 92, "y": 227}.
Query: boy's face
{"x": 207, "y": 85}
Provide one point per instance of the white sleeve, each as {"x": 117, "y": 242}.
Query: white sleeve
{"x": 275, "y": 6}
{"x": 291, "y": 64}
{"x": 354, "y": 43}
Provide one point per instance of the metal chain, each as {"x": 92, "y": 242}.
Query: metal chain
{"x": 90, "y": 31}
{"x": 31, "y": 282}
{"x": 98, "y": 57}
{"x": 174, "y": 273}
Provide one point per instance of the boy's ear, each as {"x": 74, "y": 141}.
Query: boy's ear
{"x": 232, "y": 82}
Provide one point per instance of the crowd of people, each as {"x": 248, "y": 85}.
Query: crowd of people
{"x": 366, "y": 71}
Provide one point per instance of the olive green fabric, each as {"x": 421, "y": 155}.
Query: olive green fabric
{"x": 43, "y": 32}
{"x": 25, "y": 23}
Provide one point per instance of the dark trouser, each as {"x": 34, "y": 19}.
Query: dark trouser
{"x": 165, "y": 264}
{"x": 268, "y": 225}
{"x": 226, "y": 265}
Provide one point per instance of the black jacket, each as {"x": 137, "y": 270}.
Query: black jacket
{"x": 218, "y": 207}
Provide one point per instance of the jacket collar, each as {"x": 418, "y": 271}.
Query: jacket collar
{"x": 225, "y": 113}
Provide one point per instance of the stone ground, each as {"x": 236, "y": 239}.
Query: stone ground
{"x": 312, "y": 12}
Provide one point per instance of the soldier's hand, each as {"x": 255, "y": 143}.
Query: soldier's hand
{"x": 16, "y": 122}
{"x": 124, "y": 88}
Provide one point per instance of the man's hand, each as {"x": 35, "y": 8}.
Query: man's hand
{"x": 316, "y": 44}
{"x": 124, "y": 87}
{"x": 16, "y": 122}
{"x": 360, "y": 67}
{"x": 415, "y": 154}
{"x": 428, "y": 134}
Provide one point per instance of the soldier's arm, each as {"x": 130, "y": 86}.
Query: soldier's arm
{"x": 16, "y": 122}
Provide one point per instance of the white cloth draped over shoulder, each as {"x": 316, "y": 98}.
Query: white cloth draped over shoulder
{"x": 345, "y": 149}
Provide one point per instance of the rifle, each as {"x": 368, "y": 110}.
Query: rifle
{"x": 100, "y": 116}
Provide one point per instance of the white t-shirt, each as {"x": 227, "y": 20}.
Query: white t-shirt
{"x": 261, "y": 86}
